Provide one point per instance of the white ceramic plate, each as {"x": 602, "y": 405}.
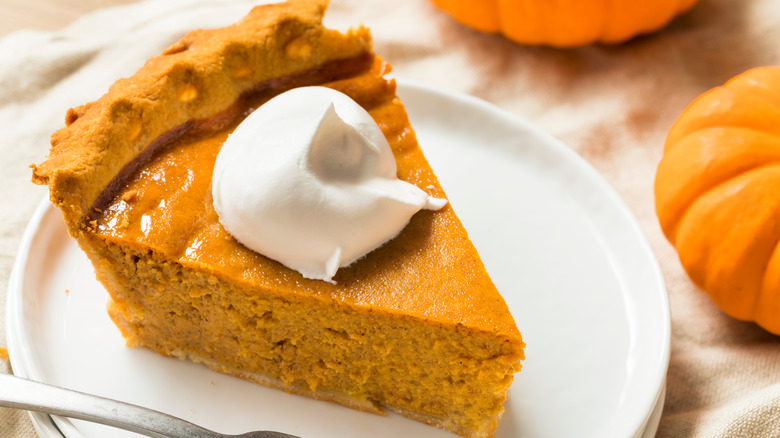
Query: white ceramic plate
{"x": 577, "y": 273}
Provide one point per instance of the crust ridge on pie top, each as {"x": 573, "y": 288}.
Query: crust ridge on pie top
{"x": 415, "y": 326}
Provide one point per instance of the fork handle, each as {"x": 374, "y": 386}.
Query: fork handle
{"x": 20, "y": 393}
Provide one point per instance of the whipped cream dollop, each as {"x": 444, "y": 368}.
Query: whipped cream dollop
{"x": 308, "y": 179}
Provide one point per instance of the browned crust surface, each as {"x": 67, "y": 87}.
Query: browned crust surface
{"x": 197, "y": 77}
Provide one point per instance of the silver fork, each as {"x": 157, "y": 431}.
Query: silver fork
{"x": 20, "y": 393}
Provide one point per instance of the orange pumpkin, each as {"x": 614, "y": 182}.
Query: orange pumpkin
{"x": 565, "y": 23}
{"x": 717, "y": 195}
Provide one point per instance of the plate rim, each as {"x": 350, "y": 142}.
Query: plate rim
{"x": 20, "y": 361}
{"x": 659, "y": 378}
{"x": 559, "y": 147}
{"x": 43, "y": 423}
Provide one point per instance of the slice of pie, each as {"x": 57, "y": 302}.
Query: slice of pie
{"x": 416, "y": 326}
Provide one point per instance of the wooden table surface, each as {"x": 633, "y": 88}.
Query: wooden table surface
{"x": 46, "y": 14}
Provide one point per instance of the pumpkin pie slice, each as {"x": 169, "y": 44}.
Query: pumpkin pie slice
{"x": 416, "y": 326}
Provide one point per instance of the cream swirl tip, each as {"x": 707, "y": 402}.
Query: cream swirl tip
{"x": 309, "y": 180}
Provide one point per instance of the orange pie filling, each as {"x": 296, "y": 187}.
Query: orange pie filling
{"x": 165, "y": 206}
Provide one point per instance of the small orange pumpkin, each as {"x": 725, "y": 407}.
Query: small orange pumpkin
{"x": 565, "y": 23}
{"x": 717, "y": 194}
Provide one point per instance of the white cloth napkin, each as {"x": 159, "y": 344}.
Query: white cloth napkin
{"x": 611, "y": 104}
